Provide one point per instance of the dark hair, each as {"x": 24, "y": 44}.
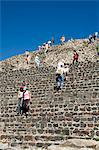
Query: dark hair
{"x": 21, "y": 89}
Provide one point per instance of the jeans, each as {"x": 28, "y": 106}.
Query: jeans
{"x": 75, "y": 60}
{"x": 18, "y": 110}
{"x": 60, "y": 81}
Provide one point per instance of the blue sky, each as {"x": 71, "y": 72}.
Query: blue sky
{"x": 27, "y": 24}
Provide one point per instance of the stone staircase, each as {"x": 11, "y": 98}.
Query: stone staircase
{"x": 54, "y": 116}
{"x": 73, "y": 112}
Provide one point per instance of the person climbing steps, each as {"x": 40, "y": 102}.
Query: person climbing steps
{"x": 20, "y": 99}
{"x": 75, "y": 57}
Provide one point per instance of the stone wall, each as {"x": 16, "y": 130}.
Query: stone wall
{"x": 54, "y": 116}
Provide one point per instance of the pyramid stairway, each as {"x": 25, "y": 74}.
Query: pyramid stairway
{"x": 54, "y": 116}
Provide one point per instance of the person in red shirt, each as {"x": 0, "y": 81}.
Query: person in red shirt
{"x": 75, "y": 57}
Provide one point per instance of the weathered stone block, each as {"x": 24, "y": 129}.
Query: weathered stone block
{"x": 40, "y": 131}
{"x": 58, "y": 131}
{"x": 76, "y": 125}
{"x": 90, "y": 125}
{"x": 76, "y": 119}
{"x": 65, "y": 132}
{"x": 55, "y": 125}
{"x": 97, "y": 133}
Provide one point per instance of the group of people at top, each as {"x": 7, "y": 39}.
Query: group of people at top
{"x": 46, "y": 45}
{"x": 49, "y": 43}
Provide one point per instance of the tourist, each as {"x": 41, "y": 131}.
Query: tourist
{"x": 26, "y": 99}
{"x": 90, "y": 39}
{"x": 46, "y": 49}
{"x": 58, "y": 81}
{"x": 37, "y": 61}
{"x": 39, "y": 48}
{"x": 52, "y": 41}
{"x": 49, "y": 44}
{"x": 20, "y": 99}
{"x": 75, "y": 57}
{"x": 62, "y": 39}
{"x": 60, "y": 75}
{"x": 27, "y": 57}
{"x": 97, "y": 48}
{"x": 66, "y": 70}
{"x": 43, "y": 46}
{"x": 94, "y": 36}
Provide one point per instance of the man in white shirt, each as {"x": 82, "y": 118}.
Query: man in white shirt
{"x": 37, "y": 61}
